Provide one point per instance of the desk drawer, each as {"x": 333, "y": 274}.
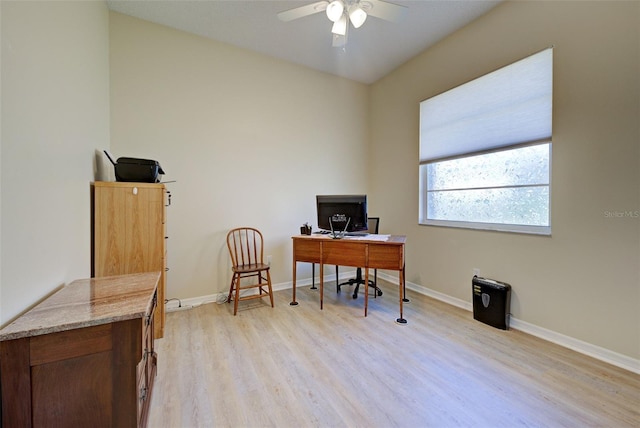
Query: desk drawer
{"x": 344, "y": 253}
{"x": 307, "y": 250}
{"x": 386, "y": 256}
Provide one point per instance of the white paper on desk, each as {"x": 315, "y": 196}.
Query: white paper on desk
{"x": 370, "y": 237}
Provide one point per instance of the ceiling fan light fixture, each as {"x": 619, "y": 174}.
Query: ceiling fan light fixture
{"x": 340, "y": 26}
{"x": 357, "y": 16}
{"x": 335, "y": 10}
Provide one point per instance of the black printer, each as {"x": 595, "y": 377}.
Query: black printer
{"x": 136, "y": 170}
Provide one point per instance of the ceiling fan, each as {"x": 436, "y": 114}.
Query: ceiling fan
{"x": 343, "y": 12}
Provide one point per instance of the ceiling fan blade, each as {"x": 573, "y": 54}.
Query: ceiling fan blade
{"x": 302, "y": 11}
{"x": 384, "y": 10}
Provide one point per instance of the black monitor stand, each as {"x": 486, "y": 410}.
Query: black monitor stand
{"x": 337, "y": 234}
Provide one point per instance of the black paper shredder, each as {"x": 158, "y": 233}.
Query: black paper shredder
{"x": 491, "y": 302}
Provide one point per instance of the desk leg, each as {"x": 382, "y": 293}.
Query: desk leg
{"x": 321, "y": 284}
{"x": 293, "y": 303}
{"x": 366, "y": 290}
{"x": 313, "y": 277}
{"x": 401, "y": 320}
{"x": 404, "y": 286}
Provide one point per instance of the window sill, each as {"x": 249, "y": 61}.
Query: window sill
{"x": 492, "y": 227}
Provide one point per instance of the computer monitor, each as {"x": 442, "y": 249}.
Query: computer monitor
{"x": 342, "y": 212}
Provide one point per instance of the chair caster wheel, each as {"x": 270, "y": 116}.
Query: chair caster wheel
{"x": 355, "y": 296}
{"x": 379, "y": 292}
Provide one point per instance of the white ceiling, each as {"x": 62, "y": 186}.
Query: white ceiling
{"x": 372, "y": 51}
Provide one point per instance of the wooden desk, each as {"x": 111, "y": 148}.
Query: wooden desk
{"x": 356, "y": 252}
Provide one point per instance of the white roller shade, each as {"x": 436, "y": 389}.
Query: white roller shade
{"x": 511, "y": 105}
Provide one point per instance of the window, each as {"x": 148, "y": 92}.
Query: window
{"x": 485, "y": 151}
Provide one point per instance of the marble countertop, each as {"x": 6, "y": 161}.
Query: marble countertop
{"x": 85, "y": 303}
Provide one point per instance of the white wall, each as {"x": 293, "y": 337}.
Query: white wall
{"x": 584, "y": 280}
{"x": 55, "y": 113}
{"x": 250, "y": 140}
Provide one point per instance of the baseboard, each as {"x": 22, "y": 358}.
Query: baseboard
{"x": 175, "y": 304}
{"x": 586, "y": 348}
{"x": 580, "y": 346}
{"x": 594, "y": 351}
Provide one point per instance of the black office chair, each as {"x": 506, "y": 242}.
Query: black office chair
{"x": 373, "y": 224}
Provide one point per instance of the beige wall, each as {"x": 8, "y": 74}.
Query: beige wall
{"x": 250, "y": 140}
{"x": 584, "y": 280}
{"x": 55, "y": 113}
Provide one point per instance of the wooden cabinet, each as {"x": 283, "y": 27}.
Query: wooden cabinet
{"x": 84, "y": 357}
{"x": 129, "y": 233}
{"x": 147, "y": 367}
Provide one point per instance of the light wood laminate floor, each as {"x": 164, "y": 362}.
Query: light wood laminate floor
{"x": 298, "y": 366}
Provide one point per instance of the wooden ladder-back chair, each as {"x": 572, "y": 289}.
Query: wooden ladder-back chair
{"x": 247, "y": 258}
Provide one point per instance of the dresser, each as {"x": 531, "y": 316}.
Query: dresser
{"x": 83, "y": 357}
{"x": 129, "y": 233}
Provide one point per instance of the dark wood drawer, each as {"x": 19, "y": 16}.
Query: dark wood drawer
{"x": 307, "y": 250}
{"x": 386, "y": 257}
{"x": 344, "y": 253}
